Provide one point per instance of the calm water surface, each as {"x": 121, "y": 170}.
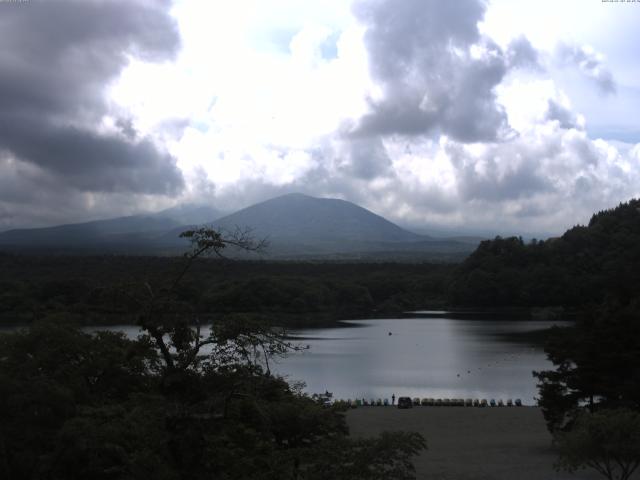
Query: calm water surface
{"x": 423, "y": 357}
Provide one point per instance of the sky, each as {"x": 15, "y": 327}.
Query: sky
{"x": 505, "y": 116}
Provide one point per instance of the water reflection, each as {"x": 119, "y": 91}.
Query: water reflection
{"x": 416, "y": 357}
{"x": 435, "y": 357}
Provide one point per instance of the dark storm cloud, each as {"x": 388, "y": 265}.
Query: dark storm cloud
{"x": 58, "y": 55}
{"x": 56, "y": 59}
{"x": 93, "y": 162}
{"x": 420, "y": 54}
{"x": 31, "y": 197}
{"x": 126, "y": 127}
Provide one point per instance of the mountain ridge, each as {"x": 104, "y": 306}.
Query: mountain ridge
{"x": 295, "y": 225}
{"x": 104, "y": 231}
{"x": 326, "y": 218}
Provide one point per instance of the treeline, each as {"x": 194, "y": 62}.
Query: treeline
{"x": 586, "y": 265}
{"x": 80, "y": 406}
{"x": 174, "y": 403}
{"x": 33, "y": 287}
{"x": 592, "y": 270}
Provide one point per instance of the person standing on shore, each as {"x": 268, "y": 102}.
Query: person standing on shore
{"x": 393, "y": 399}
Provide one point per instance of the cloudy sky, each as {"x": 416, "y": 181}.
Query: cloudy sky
{"x": 505, "y": 116}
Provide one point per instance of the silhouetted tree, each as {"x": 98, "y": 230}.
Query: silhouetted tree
{"x": 597, "y": 365}
{"x": 175, "y": 403}
{"x": 607, "y": 441}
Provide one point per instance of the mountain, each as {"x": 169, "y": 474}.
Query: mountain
{"x": 300, "y": 226}
{"x": 134, "y": 230}
{"x": 301, "y": 218}
{"x": 296, "y": 226}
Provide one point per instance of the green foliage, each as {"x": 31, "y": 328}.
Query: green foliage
{"x": 597, "y": 364}
{"x": 111, "y": 442}
{"x": 584, "y": 266}
{"x": 91, "y": 288}
{"x": 47, "y": 375}
{"x": 607, "y": 441}
{"x": 592, "y": 270}
{"x": 80, "y": 406}
{"x": 173, "y": 403}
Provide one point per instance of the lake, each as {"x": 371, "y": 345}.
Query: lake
{"x": 435, "y": 357}
{"x": 423, "y": 357}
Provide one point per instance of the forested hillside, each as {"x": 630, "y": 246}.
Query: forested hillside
{"x": 33, "y": 287}
{"x": 585, "y": 265}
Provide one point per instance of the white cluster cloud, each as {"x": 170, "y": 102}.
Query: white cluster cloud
{"x": 432, "y": 113}
{"x": 590, "y": 63}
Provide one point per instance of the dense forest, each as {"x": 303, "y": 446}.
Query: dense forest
{"x": 81, "y": 406}
{"x": 584, "y": 266}
{"x": 294, "y": 293}
{"x": 172, "y": 403}
{"x": 592, "y": 270}
{"x": 75, "y": 405}
{"x": 591, "y": 398}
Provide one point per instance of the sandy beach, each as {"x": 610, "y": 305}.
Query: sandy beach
{"x": 472, "y": 443}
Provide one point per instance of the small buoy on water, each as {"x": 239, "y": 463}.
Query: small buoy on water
{"x": 389, "y": 333}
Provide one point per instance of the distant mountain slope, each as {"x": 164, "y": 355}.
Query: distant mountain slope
{"x": 296, "y": 226}
{"x": 85, "y": 233}
{"x": 302, "y": 227}
{"x": 300, "y": 218}
{"x": 115, "y": 231}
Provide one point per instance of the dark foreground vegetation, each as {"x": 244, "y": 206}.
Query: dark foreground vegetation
{"x": 79, "y": 406}
{"x": 173, "y": 404}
